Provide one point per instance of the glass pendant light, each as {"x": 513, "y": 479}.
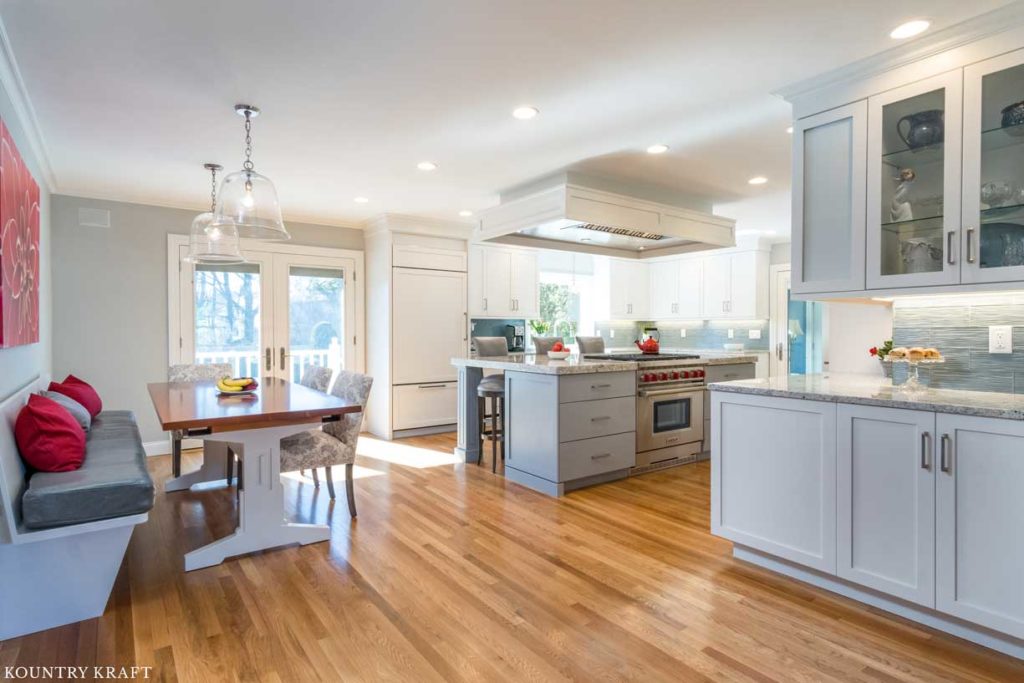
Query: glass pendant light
{"x": 209, "y": 243}
{"x": 247, "y": 199}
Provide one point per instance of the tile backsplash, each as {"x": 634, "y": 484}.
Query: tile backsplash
{"x": 959, "y": 329}
{"x": 699, "y": 334}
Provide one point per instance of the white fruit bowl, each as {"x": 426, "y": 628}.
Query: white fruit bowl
{"x": 559, "y": 355}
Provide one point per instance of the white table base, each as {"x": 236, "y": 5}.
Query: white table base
{"x": 261, "y": 519}
{"x": 213, "y": 469}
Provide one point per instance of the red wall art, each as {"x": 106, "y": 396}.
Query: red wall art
{"x": 19, "y": 247}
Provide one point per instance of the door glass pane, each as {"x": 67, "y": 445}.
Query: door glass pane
{"x": 805, "y": 337}
{"x": 912, "y": 184}
{"x": 227, "y": 316}
{"x": 316, "y": 318}
{"x": 1001, "y": 236}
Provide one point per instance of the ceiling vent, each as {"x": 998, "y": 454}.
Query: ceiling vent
{"x": 94, "y": 218}
{"x": 621, "y": 232}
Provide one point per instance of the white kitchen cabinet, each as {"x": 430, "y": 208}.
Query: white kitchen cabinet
{"x": 992, "y": 206}
{"x": 629, "y": 290}
{"x": 773, "y": 476}
{"x": 503, "y": 282}
{"x": 691, "y": 288}
{"x": 980, "y": 521}
{"x": 429, "y": 404}
{"x": 664, "y": 289}
{"x": 886, "y": 500}
{"x": 525, "y": 285}
{"x": 735, "y": 286}
{"x": 716, "y": 286}
{"x": 829, "y": 167}
{"x": 913, "y": 190}
{"x": 429, "y": 310}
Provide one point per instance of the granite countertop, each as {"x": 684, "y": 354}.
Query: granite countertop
{"x": 879, "y": 391}
{"x": 575, "y": 365}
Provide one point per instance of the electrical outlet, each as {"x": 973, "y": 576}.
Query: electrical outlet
{"x": 611, "y": 334}
{"x": 682, "y": 333}
{"x": 732, "y": 333}
{"x": 753, "y": 334}
{"x": 1000, "y": 339}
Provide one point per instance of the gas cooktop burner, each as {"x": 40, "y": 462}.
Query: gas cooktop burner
{"x": 641, "y": 356}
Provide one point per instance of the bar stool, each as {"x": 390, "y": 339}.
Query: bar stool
{"x": 542, "y": 345}
{"x": 493, "y": 389}
{"x": 590, "y": 344}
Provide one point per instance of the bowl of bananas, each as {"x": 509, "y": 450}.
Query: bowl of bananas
{"x": 237, "y": 386}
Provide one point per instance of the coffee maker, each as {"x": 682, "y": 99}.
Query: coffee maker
{"x": 516, "y": 337}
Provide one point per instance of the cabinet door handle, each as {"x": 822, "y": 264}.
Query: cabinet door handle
{"x": 970, "y": 245}
{"x": 431, "y": 386}
{"x": 599, "y": 419}
{"x": 485, "y": 303}
{"x": 268, "y": 358}
{"x": 949, "y": 247}
{"x": 926, "y": 449}
{"x": 600, "y": 455}
{"x": 595, "y": 387}
{"x": 778, "y": 350}
{"x": 465, "y": 327}
{"x": 282, "y": 357}
{"x": 946, "y": 461}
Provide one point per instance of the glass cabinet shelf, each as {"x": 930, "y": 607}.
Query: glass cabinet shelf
{"x": 914, "y": 158}
{"x": 996, "y": 139}
{"x": 1013, "y": 213}
{"x": 918, "y": 226}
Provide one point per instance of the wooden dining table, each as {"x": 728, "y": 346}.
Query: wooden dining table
{"x": 254, "y": 425}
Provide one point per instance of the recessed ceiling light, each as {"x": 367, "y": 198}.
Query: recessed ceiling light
{"x": 426, "y": 166}
{"x": 910, "y": 29}
{"x": 758, "y": 180}
{"x": 657, "y": 149}
{"x": 790, "y": 130}
{"x": 465, "y": 213}
{"x": 361, "y": 200}
{"x": 525, "y": 112}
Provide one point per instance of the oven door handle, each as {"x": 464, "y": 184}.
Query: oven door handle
{"x": 644, "y": 393}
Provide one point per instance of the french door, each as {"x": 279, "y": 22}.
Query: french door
{"x": 283, "y": 310}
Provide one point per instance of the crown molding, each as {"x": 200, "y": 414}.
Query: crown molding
{"x": 14, "y": 86}
{"x": 417, "y": 225}
{"x": 969, "y": 31}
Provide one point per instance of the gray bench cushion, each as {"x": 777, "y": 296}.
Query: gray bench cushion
{"x": 112, "y": 482}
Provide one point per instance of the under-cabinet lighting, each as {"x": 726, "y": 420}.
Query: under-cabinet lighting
{"x": 955, "y": 299}
{"x": 910, "y": 29}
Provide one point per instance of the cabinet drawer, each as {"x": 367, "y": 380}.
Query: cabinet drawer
{"x": 424, "y": 405}
{"x": 728, "y": 373}
{"x": 596, "y": 456}
{"x": 595, "y": 385}
{"x": 589, "y": 419}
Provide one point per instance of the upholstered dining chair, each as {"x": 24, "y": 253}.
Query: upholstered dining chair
{"x": 335, "y": 442}
{"x": 590, "y": 344}
{"x": 544, "y": 344}
{"x": 319, "y": 378}
{"x": 196, "y": 372}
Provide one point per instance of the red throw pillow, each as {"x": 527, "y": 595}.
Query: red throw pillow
{"x": 72, "y": 387}
{"x": 49, "y": 439}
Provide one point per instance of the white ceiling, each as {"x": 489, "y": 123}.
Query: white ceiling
{"x": 132, "y": 96}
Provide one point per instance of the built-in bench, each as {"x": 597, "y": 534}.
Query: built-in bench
{"x": 63, "y": 535}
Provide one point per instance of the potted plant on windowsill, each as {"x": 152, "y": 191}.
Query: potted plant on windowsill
{"x": 881, "y": 352}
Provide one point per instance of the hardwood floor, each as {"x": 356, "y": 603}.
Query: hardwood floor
{"x": 453, "y": 574}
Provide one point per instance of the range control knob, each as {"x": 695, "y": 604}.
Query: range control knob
{"x": 663, "y": 376}
{"x": 675, "y": 375}
{"x": 648, "y": 377}
{"x": 699, "y": 373}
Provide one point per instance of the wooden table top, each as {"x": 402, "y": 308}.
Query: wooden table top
{"x": 198, "y": 405}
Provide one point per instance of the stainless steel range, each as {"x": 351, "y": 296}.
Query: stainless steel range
{"x": 669, "y": 409}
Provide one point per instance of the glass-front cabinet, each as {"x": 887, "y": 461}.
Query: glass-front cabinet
{"x": 993, "y": 182}
{"x": 913, "y": 184}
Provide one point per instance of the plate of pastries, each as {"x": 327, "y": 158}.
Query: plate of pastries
{"x": 915, "y": 354}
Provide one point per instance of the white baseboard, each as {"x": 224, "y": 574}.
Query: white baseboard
{"x": 163, "y": 447}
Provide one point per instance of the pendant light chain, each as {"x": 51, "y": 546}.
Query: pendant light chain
{"x": 248, "y": 165}
{"x": 213, "y": 190}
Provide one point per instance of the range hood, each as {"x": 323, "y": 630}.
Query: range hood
{"x": 572, "y": 217}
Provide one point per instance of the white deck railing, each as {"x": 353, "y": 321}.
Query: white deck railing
{"x": 248, "y": 363}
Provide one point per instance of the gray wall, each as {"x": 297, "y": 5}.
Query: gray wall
{"x": 21, "y": 364}
{"x": 110, "y": 296}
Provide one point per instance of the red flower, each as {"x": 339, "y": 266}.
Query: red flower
{"x": 873, "y": 350}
